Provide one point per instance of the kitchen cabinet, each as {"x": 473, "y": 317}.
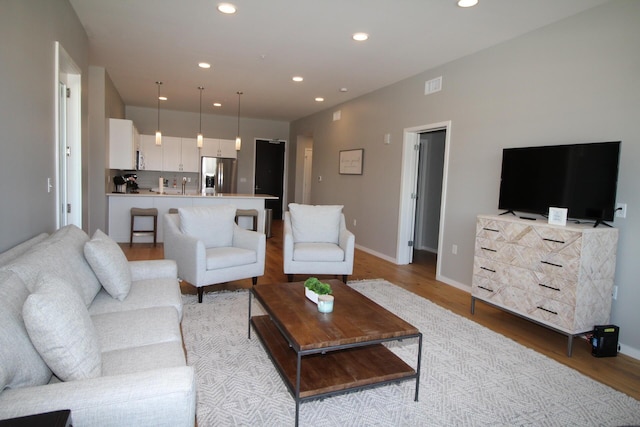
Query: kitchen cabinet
{"x": 179, "y": 154}
{"x": 213, "y": 147}
{"x": 123, "y": 144}
{"x": 151, "y": 153}
{"x": 174, "y": 155}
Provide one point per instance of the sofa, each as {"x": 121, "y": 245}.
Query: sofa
{"x": 82, "y": 328}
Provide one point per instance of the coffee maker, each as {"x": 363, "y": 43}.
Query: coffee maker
{"x": 126, "y": 183}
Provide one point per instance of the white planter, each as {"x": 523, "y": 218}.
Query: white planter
{"x": 312, "y": 296}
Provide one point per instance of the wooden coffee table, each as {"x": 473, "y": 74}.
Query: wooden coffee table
{"x": 320, "y": 355}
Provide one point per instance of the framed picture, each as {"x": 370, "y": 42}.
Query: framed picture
{"x": 351, "y": 162}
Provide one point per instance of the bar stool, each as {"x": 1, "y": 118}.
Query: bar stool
{"x": 248, "y": 212}
{"x": 144, "y": 212}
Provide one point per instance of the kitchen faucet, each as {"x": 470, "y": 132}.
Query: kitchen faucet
{"x": 184, "y": 184}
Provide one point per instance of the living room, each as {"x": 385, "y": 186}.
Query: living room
{"x": 572, "y": 81}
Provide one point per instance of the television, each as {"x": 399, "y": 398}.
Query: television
{"x": 580, "y": 177}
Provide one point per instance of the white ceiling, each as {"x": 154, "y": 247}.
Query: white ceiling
{"x": 260, "y": 48}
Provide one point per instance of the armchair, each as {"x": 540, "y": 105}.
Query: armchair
{"x": 316, "y": 241}
{"x": 209, "y": 247}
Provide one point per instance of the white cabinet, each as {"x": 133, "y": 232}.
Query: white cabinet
{"x": 174, "y": 155}
{"x": 151, "y": 153}
{"x": 219, "y": 148}
{"x": 123, "y": 144}
{"x": 558, "y": 276}
{"x": 179, "y": 154}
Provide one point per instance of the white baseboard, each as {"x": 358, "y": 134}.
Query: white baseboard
{"x": 629, "y": 351}
{"x": 377, "y": 254}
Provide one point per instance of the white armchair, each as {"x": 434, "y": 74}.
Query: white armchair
{"x": 316, "y": 241}
{"x": 209, "y": 247}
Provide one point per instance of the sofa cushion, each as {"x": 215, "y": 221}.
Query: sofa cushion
{"x": 315, "y": 223}
{"x": 158, "y": 292}
{"x": 110, "y": 264}
{"x": 20, "y": 363}
{"x": 211, "y": 224}
{"x": 61, "y": 330}
{"x": 16, "y": 251}
{"x": 62, "y": 253}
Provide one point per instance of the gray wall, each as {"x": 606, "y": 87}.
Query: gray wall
{"x": 28, "y": 32}
{"x": 186, "y": 125}
{"x": 104, "y": 103}
{"x": 573, "y": 81}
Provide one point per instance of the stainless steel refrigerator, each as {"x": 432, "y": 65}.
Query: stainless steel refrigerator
{"x": 218, "y": 175}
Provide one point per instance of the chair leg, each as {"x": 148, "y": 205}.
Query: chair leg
{"x": 200, "y": 293}
{"x": 131, "y": 233}
{"x": 254, "y": 281}
{"x": 344, "y": 278}
{"x": 290, "y": 277}
{"x": 155, "y": 230}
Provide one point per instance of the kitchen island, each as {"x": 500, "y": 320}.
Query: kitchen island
{"x": 120, "y": 205}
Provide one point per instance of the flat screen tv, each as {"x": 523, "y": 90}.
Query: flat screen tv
{"x": 580, "y": 177}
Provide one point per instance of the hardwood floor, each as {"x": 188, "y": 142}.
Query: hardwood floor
{"x": 621, "y": 373}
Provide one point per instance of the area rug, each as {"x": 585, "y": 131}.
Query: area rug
{"x": 471, "y": 376}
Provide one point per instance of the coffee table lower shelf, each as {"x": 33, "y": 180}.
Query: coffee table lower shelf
{"x": 332, "y": 372}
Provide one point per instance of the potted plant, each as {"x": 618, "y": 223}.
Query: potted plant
{"x": 314, "y": 287}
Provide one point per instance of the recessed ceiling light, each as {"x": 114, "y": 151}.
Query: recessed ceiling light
{"x": 343, "y": 89}
{"x": 217, "y": 104}
{"x": 204, "y": 65}
{"x": 360, "y": 37}
{"x": 467, "y": 3}
{"x": 319, "y": 99}
{"x": 297, "y": 79}
{"x": 227, "y": 8}
{"x": 162, "y": 98}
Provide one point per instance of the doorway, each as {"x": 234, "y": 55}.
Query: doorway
{"x": 269, "y": 167}
{"x": 410, "y": 191}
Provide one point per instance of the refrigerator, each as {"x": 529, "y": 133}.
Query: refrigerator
{"x": 218, "y": 175}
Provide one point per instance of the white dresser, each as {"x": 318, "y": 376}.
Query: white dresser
{"x": 558, "y": 276}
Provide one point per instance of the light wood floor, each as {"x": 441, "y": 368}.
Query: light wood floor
{"x": 621, "y": 372}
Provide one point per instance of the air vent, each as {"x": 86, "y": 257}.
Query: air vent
{"x": 433, "y": 85}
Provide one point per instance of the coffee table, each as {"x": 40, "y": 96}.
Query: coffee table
{"x": 320, "y": 355}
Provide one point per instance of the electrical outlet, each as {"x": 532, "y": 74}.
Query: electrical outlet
{"x": 188, "y": 179}
{"x": 614, "y": 294}
{"x": 354, "y": 222}
{"x": 454, "y": 249}
{"x": 621, "y": 210}
{"x": 319, "y": 178}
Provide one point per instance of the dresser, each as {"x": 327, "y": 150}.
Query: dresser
{"x": 558, "y": 276}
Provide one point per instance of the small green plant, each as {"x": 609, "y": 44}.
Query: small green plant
{"x": 315, "y": 285}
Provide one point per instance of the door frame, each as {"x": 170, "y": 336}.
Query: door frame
{"x": 68, "y": 133}
{"x": 408, "y": 188}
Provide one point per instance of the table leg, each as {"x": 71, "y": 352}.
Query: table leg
{"x": 249, "y": 320}
{"x": 418, "y": 366}
{"x": 298, "y": 387}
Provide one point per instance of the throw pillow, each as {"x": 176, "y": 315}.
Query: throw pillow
{"x": 211, "y": 224}
{"x": 61, "y": 330}
{"x": 109, "y": 264}
{"x": 315, "y": 223}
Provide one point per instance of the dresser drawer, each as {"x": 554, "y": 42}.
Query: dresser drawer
{"x": 503, "y": 231}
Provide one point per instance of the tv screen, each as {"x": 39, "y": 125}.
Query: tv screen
{"x": 580, "y": 177}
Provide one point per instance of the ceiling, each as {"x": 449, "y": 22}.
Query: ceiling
{"x": 260, "y": 48}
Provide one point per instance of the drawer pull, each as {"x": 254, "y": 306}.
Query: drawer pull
{"x": 486, "y": 289}
{"x": 548, "y": 311}
{"x": 548, "y": 287}
{"x": 554, "y": 240}
{"x": 488, "y": 249}
{"x": 551, "y": 263}
{"x": 491, "y": 229}
{"x": 488, "y": 269}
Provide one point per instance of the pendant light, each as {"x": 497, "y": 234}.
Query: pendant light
{"x": 200, "y": 139}
{"x": 158, "y": 133}
{"x": 238, "y": 140}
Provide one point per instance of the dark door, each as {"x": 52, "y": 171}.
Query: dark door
{"x": 270, "y": 173}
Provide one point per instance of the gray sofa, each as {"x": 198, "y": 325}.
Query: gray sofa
{"x": 81, "y": 328}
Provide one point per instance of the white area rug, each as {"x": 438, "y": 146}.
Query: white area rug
{"x": 471, "y": 376}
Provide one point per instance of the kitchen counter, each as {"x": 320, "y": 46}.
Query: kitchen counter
{"x": 120, "y": 205}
